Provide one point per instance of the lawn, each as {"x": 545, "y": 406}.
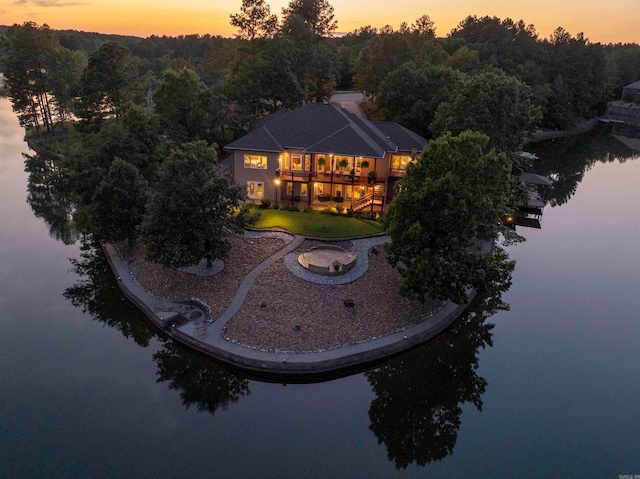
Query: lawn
{"x": 317, "y": 224}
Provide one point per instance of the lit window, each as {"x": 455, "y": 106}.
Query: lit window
{"x": 296, "y": 162}
{"x": 255, "y": 189}
{"x": 289, "y": 188}
{"x": 303, "y": 189}
{"x": 255, "y": 161}
{"x": 307, "y": 162}
{"x": 400, "y": 162}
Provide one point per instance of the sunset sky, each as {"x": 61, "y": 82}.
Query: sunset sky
{"x": 600, "y": 21}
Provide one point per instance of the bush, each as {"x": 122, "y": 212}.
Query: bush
{"x": 350, "y": 212}
{"x": 308, "y": 209}
{"x": 265, "y": 202}
{"x": 339, "y": 209}
{"x": 292, "y": 208}
{"x": 328, "y": 211}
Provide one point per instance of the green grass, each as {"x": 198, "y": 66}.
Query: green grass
{"x": 317, "y": 224}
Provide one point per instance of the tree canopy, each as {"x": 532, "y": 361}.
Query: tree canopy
{"x": 317, "y": 16}
{"x": 451, "y": 198}
{"x": 191, "y": 207}
{"x": 255, "y": 20}
{"x": 494, "y": 104}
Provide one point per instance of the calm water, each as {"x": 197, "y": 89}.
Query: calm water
{"x": 86, "y": 390}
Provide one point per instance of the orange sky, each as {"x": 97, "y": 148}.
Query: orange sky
{"x": 600, "y": 21}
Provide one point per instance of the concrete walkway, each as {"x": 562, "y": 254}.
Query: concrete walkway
{"x": 172, "y": 316}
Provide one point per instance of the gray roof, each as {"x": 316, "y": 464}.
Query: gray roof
{"x": 403, "y": 137}
{"x": 326, "y": 128}
{"x": 633, "y": 85}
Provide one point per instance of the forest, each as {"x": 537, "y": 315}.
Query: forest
{"x": 407, "y": 72}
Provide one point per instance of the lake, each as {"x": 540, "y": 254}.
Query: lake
{"x": 549, "y": 388}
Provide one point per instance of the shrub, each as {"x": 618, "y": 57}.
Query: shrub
{"x": 328, "y": 211}
{"x": 308, "y": 209}
{"x": 350, "y": 212}
{"x": 266, "y": 202}
{"x": 339, "y": 209}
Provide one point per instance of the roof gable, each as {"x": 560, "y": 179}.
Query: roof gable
{"x": 326, "y": 128}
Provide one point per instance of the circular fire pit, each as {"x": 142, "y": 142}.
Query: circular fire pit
{"x": 327, "y": 260}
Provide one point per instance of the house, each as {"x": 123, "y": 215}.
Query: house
{"x": 631, "y": 92}
{"x": 322, "y": 155}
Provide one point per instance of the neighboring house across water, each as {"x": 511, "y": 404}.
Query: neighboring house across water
{"x": 627, "y": 109}
{"x": 320, "y": 155}
{"x": 631, "y": 92}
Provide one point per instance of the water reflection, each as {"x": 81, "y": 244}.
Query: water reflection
{"x": 206, "y": 386}
{"x": 48, "y": 198}
{"x": 98, "y": 294}
{"x": 419, "y": 395}
{"x": 566, "y": 160}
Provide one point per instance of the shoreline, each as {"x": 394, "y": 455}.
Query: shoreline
{"x": 173, "y": 318}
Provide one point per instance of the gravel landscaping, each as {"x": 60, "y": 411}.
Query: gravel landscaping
{"x": 216, "y": 290}
{"x": 286, "y": 313}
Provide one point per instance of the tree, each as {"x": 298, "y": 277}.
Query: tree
{"x": 317, "y": 15}
{"x": 108, "y": 82}
{"x": 453, "y": 196}
{"x": 191, "y": 206}
{"x": 494, "y": 104}
{"x": 40, "y": 75}
{"x": 411, "y": 96}
{"x": 255, "y": 20}
{"x": 118, "y": 204}
{"x": 380, "y": 56}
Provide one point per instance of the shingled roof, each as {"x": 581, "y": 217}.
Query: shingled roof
{"x": 325, "y": 128}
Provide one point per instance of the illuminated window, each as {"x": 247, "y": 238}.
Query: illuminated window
{"x": 255, "y": 189}
{"x": 303, "y": 189}
{"x": 296, "y": 162}
{"x": 307, "y": 162}
{"x": 255, "y": 161}
{"x": 289, "y": 188}
{"x": 400, "y": 162}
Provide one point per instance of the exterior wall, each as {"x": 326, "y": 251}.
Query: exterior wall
{"x": 266, "y": 176}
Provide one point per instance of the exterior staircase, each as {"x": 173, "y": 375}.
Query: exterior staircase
{"x": 376, "y": 198}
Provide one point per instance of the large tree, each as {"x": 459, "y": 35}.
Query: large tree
{"x": 410, "y": 95}
{"x": 317, "y": 15}
{"x": 188, "y": 110}
{"x": 494, "y": 104}
{"x": 450, "y": 199}
{"x": 191, "y": 207}
{"x": 108, "y": 83}
{"x": 118, "y": 203}
{"x": 255, "y": 20}
{"x": 41, "y": 75}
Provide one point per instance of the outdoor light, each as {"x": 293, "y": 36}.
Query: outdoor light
{"x": 277, "y": 182}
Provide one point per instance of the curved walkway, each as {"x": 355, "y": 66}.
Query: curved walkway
{"x": 170, "y": 317}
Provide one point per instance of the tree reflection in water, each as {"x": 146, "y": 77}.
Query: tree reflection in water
{"x": 202, "y": 384}
{"x": 419, "y": 395}
{"x": 48, "y": 198}
{"x": 566, "y": 160}
{"x": 206, "y": 386}
{"x": 97, "y": 293}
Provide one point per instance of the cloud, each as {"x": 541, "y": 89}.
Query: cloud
{"x": 49, "y": 3}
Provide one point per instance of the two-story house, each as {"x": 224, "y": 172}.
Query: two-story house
{"x": 320, "y": 155}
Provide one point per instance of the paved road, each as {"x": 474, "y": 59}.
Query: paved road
{"x": 349, "y": 101}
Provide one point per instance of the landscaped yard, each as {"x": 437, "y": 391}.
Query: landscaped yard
{"x": 317, "y": 224}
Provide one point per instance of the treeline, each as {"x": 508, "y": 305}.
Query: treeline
{"x": 284, "y": 62}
